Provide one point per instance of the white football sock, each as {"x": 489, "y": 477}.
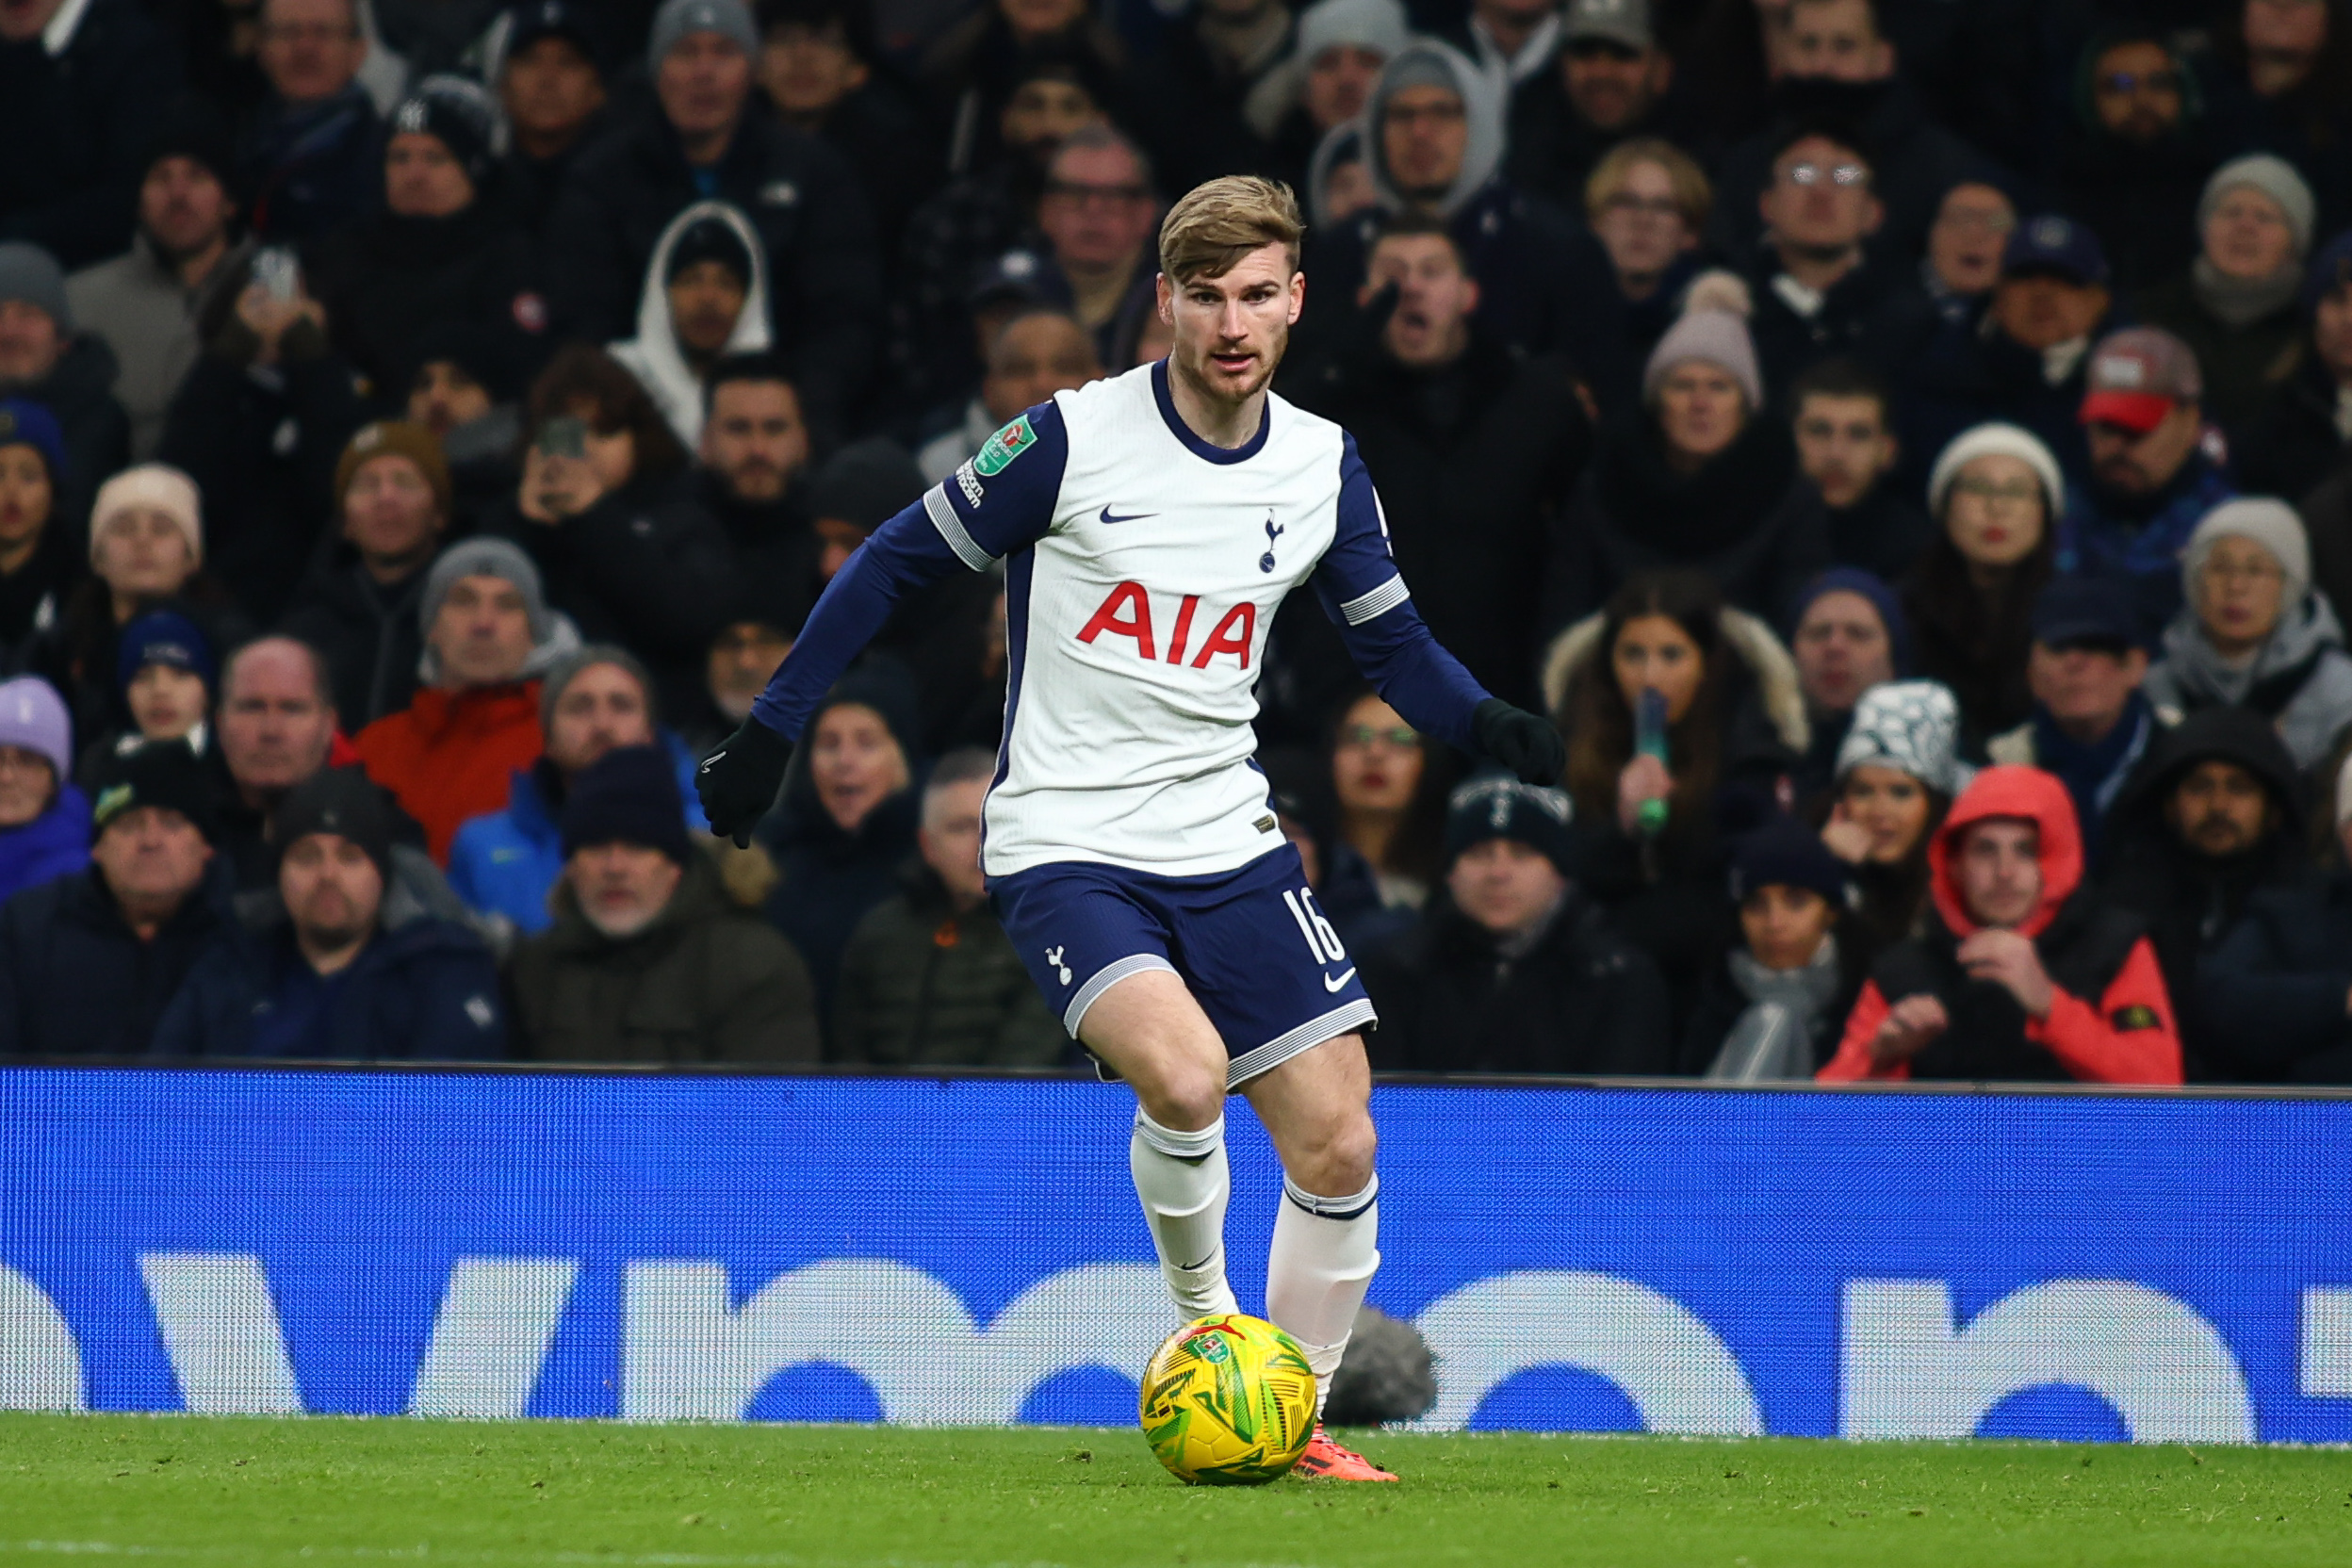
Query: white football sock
{"x": 1324, "y": 1253}
{"x": 1184, "y": 1181}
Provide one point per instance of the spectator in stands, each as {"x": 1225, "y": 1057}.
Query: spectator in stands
{"x": 488, "y": 634}
{"x": 1037, "y": 353}
{"x": 325, "y": 971}
{"x": 358, "y": 604}
{"x": 1996, "y": 491}
{"x": 744, "y": 654}
{"x": 2236, "y": 307}
{"x": 277, "y": 723}
{"x": 80, "y": 87}
{"x": 699, "y": 139}
{"x": 2254, "y": 633}
{"x": 929, "y": 978}
{"x": 44, "y": 821}
{"x": 2024, "y": 973}
{"x": 754, "y": 462}
{"x": 1848, "y": 636}
{"x": 165, "y": 670}
{"x": 89, "y": 962}
{"x": 1898, "y": 773}
{"x": 1701, "y": 477}
{"x": 1815, "y": 294}
{"x": 313, "y": 156}
{"x": 1512, "y": 42}
{"x": 1383, "y": 857}
{"x": 1099, "y": 215}
{"x": 607, "y": 514}
{"x": 1734, "y": 726}
{"x": 704, "y": 296}
{"x": 2151, "y": 478}
{"x": 2212, "y": 818}
{"x": 1965, "y": 248}
{"x": 2136, "y": 166}
{"x": 1835, "y": 60}
{"x": 1843, "y": 415}
{"x": 260, "y": 425}
{"x": 846, "y": 821}
{"x": 44, "y": 359}
{"x": 468, "y": 395}
{"x": 2281, "y": 976}
{"x": 37, "y": 564}
{"x": 1646, "y": 202}
{"x": 146, "y": 303}
{"x": 1435, "y": 396}
{"x": 1203, "y": 70}
{"x": 1606, "y": 83}
{"x": 975, "y": 70}
{"x": 818, "y": 65}
{"x": 1515, "y": 969}
{"x": 647, "y": 961}
{"x": 1776, "y": 1004}
{"x": 444, "y": 253}
{"x": 2091, "y": 721}
{"x": 2026, "y": 361}
{"x": 551, "y": 87}
{"x": 506, "y": 862}
{"x": 2296, "y": 437}
{"x": 1337, "y": 50}
{"x": 2280, "y": 76}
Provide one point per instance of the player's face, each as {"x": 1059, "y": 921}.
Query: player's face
{"x": 1230, "y": 332}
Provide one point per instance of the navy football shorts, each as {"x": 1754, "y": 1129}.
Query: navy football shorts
{"x": 1250, "y": 945}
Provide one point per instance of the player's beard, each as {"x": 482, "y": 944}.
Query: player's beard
{"x": 1218, "y": 390}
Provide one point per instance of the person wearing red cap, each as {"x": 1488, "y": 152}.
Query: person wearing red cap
{"x": 2151, "y": 477}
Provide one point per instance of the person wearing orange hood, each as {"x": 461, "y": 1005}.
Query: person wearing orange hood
{"x": 2023, "y": 973}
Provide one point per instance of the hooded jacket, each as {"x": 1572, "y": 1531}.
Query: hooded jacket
{"x": 2300, "y": 680}
{"x": 449, "y": 755}
{"x": 2111, "y": 1020}
{"x": 653, "y": 358}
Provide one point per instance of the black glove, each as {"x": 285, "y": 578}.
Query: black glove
{"x": 738, "y": 781}
{"x": 1520, "y": 741}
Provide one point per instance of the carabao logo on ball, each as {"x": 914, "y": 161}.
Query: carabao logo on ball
{"x": 1004, "y": 446}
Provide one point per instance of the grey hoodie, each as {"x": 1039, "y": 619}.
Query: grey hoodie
{"x": 2192, "y": 675}
{"x": 1480, "y": 103}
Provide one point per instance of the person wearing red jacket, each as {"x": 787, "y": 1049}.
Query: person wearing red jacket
{"x": 2022, "y": 974}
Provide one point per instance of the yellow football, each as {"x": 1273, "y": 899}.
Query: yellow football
{"x": 1227, "y": 1402}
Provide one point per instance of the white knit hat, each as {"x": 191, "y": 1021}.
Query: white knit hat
{"x": 1717, "y": 337}
{"x": 2276, "y": 178}
{"x": 1996, "y": 440}
{"x": 158, "y": 487}
{"x": 1912, "y": 727}
{"x": 2266, "y": 521}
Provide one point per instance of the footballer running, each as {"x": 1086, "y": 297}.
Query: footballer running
{"x": 1149, "y": 526}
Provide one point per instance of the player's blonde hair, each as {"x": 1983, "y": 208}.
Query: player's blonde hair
{"x": 1214, "y": 224}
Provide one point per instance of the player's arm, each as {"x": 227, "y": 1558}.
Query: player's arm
{"x": 1366, "y": 599}
{"x": 1001, "y": 501}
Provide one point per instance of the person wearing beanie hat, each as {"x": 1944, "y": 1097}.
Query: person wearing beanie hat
{"x": 1898, "y": 772}
{"x": 1718, "y": 339}
{"x": 89, "y": 962}
{"x": 150, "y": 498}
{"x": 47, "y": 359}
{"x": 336, "y": 971}
{"x": 864, "y": 485}
{"x": 1773, "y": 1008}
{"x": 678, "y": 20}
{"x": 1848, "y": 635}
{"x": 704, "y": 296}
{"x": 165, "y": 668}
{"x": 647, "y": 960}
{"x": 44, "y": 821}
{"x": 1515, "y": 970}
{"x": 2254, "y": 633}
{"x": 433, "y": 183}
{"x": 1337, "y": 53}
{"x": 2239, "y": 306}
{"x": 591, "y": 703}
{"x": 38, "y": 566}
{"x": 395, "y": 438}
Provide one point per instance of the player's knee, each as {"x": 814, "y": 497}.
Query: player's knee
{"x": 1341, "y": 1160}
{"x": 1184, "y": 1094}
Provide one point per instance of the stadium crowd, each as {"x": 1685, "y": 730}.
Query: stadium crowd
{"x": 1906, "y": 445}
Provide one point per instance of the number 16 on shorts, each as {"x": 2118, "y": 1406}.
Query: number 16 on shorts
{"x": 1321, "y": 939}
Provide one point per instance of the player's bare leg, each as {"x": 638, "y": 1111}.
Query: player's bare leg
{"x": 1153, "y": 1034}
{"x": 1318, "y": 1108}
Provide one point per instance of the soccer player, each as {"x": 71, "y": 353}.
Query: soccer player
{"x": 1149, "y": 526}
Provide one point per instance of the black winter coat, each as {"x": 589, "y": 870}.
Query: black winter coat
{"x": 923, "y": 985}
{"x": 366, "y": 629}
{"x": 1875, "y": 314}
{"x": 1582, "y": 1000}
{"x": 2282, "y": 979}
{"x": 829, "y": 878}
{"x": 75, "y": 980}
{"x": 2290, "y": 444}
{"x": 79, "y": 390}
{"x": 78, "y": 126}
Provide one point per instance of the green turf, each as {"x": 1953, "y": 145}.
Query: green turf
{"x": 264, "y": 1492}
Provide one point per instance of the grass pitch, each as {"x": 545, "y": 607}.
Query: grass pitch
{"x": 265, "y": 1492}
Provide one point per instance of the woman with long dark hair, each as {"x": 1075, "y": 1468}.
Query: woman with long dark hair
{"x": 1384, "y": 851}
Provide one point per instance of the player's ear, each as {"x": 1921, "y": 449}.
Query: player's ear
{"x": 1297, "y": 295}
{"x": 1165, "y": 294}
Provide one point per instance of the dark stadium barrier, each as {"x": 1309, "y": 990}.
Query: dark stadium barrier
{"x": 508, "y": 1243}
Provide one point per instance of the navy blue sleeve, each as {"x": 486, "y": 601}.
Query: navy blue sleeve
{"x": 1366, "y": 599}
{"x": 1000, "y": 502}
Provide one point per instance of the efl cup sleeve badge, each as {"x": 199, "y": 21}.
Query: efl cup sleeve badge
{"x": 1004, "y": 446}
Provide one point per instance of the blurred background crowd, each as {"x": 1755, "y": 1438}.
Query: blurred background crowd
{"x": 1906, "y": 445}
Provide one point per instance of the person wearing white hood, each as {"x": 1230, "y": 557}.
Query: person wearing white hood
{"x": 1433, "y": 143}
{"x": 706, "y": 296}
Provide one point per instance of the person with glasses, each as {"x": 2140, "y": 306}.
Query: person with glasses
{"x": 1646, "y": 202}
{"x": 313, "y": 157}
{"x": 2138, "y": 154}
{"x": 1098, "y": 215}
{"x": 1388, "y": 790}
{"x": 1965, "y": 249}
{"x": 2255, "y": 633}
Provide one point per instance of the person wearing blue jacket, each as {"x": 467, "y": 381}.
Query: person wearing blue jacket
{"x": 506, "y": 862}
{"x": 44, "y": 822}
{"x": 317, "y": 974}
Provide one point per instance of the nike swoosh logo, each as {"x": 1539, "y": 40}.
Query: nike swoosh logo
{"x": 711, "y": 760}
{"x": 1330, "y": 984}
{"x": 1110, "y": 516}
